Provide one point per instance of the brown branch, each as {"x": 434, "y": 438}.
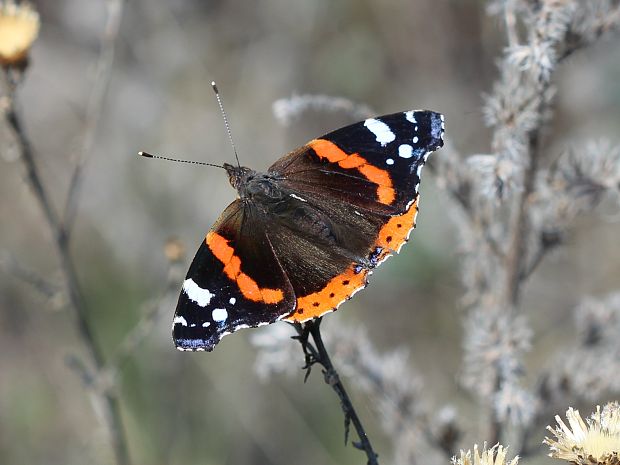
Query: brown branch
{"x": 74, "y": 291}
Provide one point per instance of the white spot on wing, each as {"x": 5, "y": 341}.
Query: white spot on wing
{"x": 232, "y": 301}
{"x": 381, "y": 131}
{"x": 179, "y": 320}
{"x": 219, "y": 314}
{"x": 410, "y": 117}
{"x": 405, "y": 151}
{"x": 389, "y": 161}
{"x": 196, "y": 293}
{"x": 206, "y": 324}
{"x": 297, "y": 197}
{"x": 415, "y": 139}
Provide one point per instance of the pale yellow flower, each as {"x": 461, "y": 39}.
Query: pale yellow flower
{"x": 496, "y": 455}
{"x": 594, "y": 442}
{"x": 19, "y": 27}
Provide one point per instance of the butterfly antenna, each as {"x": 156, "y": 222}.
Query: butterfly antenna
{"x": 219, "y": 102}
{"x": 149, "y": 155}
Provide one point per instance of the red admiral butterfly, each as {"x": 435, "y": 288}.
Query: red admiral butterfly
{"x": 303, "y": 237}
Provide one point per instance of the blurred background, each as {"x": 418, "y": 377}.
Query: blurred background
{"x": 211, "y": 407}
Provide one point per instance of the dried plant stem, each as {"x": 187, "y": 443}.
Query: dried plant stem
{"x": 517, "y": 271}
{"x": 144, "y": 327}
{"x": 510, "y": 22}
{"x": 518, "y": 249}
{"x": 318, "y": 354}
{"x": 103, "y": 73}
{"x": 108, "y": 400}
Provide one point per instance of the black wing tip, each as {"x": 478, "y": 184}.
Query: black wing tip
{"x": 438, "y": 127}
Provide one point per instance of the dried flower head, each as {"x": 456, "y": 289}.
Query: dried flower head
{"x": 597, "y": 442}
{"x": 287, "y": 110}
{"x": 496, "y": 455}
{"x": 19, "y": 28}
{"x": 174, "y": 249}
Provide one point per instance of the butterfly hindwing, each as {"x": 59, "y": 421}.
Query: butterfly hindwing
{"x": 235, "y": 281}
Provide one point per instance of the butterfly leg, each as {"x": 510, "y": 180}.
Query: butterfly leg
{"x": 310, "y": 354}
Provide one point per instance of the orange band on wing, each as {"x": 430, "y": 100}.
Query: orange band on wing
{"x": 232, "y": 268}
{"x": 331, "y": 152}
{"x": 395, "y": 232}
{"x": 336, "y": 291}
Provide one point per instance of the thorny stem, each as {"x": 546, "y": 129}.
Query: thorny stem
{"x": 318, "y": 354}
{"x": 107, "y": 399}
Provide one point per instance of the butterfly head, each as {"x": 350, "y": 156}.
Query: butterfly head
{"x": 252, "y": 185}
{"x": 238, "y": 175}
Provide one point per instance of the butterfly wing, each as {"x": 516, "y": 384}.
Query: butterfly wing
{"x": 350, "y": 201}
{"x": 235, "y": 281}
{"x": 374, "y": 164}
{"x": 361, "y": 184}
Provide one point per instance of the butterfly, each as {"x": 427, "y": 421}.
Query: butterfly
{"x": 305, "y": 236}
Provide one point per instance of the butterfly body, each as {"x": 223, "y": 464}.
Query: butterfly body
{"x": 303, "y": 237}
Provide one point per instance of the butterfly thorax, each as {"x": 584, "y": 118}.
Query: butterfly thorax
{"x": 254, "y": 186}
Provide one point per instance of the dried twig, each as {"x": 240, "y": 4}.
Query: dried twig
{"x": 107, "y": 399}
{"x": 317, "y": 353}
{"x": 103, "y": 73}
{"x": 154, "y": 310}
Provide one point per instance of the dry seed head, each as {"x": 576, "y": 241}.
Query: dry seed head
{"x": 19, "y": 28}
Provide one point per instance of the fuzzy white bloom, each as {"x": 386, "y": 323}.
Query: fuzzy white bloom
{"x": 496, "y": 455}
{"x": 582, "y": 177}
{"x": 538, "y": 58}
{"x": 494, "y": 345}
{"x": 596, "y": 441}
{"x": 595, "y": 356}
{"x": 495, "y": 176}
{"x": 514, "y": 404}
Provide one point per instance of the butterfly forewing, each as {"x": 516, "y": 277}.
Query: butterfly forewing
{"x": 376, "y": 161}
